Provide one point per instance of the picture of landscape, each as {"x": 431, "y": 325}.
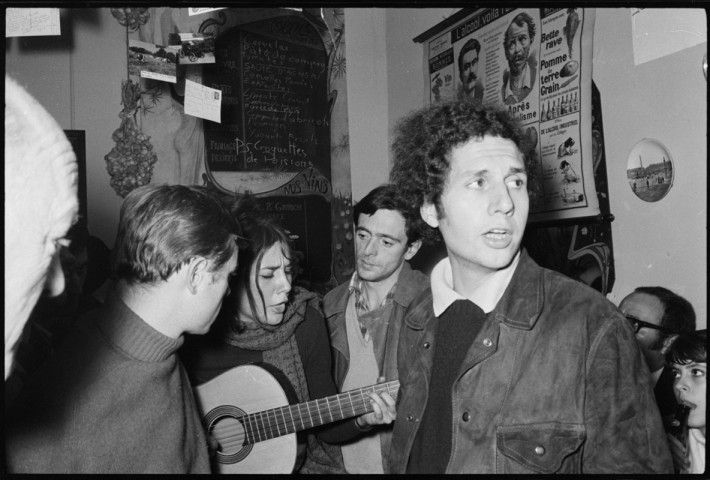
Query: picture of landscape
{"x": 650, "y": 170}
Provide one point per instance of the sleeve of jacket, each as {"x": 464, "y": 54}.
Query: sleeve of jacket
{"x": 624, "y": 428}
{"x": 314, "y": 346}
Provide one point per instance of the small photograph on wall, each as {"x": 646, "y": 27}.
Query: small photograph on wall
{"x": 649, "y": 170}
{"x": 149, "y": 60}
{"x": 196, "y": 48}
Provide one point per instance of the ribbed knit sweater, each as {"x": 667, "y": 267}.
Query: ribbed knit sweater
{"x": 114, "y": 399}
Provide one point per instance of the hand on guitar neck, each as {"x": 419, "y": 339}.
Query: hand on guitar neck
{"x": 383, "y": 410}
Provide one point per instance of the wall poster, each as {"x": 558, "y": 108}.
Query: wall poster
{"x": 537, "y": 64}
{"x": 281, "y": 129}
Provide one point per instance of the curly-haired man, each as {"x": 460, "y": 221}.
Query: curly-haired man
{"x": 504, "y": 366}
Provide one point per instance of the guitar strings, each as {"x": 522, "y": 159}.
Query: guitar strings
{"x": 260, "y": 431}
{"x": 231, "y": 432}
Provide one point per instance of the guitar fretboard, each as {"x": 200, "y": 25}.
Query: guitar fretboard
{"x": 285, "y": 420}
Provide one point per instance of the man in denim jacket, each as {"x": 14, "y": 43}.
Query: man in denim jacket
{"x": 365, "y": 315}
{"x": 506, "y": 367}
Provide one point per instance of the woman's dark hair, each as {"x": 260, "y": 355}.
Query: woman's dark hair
{"x": 261, "y": 232}
{"x": 688, "y": 347}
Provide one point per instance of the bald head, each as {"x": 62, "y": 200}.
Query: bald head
{"x": 41, "y": 204}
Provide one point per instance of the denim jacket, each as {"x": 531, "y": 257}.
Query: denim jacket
{"x": 554, "y": 383}
{"x": 410, "y": 284}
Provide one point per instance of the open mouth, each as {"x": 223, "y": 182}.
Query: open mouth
{"x": 688, "y": 404}
{"x": 497, "y": 233}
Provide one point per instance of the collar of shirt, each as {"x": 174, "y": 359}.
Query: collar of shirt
{"x": 486, "y": 296}
{"x": 361, "y": 300}
{"x": 696, "y": 451}
{"x": 526, "y": 82}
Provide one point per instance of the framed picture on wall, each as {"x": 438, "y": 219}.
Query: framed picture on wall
{"x": 77, "y": 138}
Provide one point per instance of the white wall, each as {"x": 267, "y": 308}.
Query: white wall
{"x": 366, "y": 70}
{"x": 662, "y": 243}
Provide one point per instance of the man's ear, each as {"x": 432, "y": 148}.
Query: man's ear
{"x": 667, "y": 343}
{"x": 412, "y": 249}
{"x": 196, "y": 273}
{"x": 429, "y": 214}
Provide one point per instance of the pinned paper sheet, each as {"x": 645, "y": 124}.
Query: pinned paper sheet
{"x": 203, "y": 102}
{"x": 658, "y": 32}
{"x": 31, "y": 22}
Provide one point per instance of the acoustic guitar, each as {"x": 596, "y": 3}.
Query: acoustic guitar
{"x": 246, "y": 411}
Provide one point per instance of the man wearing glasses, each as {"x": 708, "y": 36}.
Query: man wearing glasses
{"x": 658, "y": 316}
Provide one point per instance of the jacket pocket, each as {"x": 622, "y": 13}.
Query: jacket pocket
{"x": 540, "y": 447}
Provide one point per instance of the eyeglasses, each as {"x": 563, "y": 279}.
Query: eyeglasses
{"x": 639, "y": 324}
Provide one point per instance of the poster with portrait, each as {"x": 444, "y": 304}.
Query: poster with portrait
{"x": 536, "y": 63}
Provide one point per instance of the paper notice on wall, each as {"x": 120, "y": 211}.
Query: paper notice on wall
{"x": 31, "y": 22}
{"x": 203, "y": 102}
{"x": 658, "y": 32}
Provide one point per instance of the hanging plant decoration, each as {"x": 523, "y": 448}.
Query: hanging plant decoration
{"x": 130, "y": 162}
{"x": 131, "y": 18}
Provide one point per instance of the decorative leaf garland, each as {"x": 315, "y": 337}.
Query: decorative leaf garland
{"x": 130, "y": 162}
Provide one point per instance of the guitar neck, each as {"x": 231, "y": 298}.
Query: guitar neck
{"x": 280, "y": 421}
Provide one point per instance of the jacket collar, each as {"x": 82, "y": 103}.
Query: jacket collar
{"x": 519, "y": 307}
{"x": 523, "y": 300}
{"x": 486, "y": 296}
{"x": 408, "y": 285}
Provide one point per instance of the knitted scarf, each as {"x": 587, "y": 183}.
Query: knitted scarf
{"x": 279, "y": 347}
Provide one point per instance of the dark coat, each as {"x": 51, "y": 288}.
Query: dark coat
{"x": 553, "y": 383}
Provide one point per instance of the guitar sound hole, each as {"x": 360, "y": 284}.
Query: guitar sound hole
{"x": 225, "y": 427}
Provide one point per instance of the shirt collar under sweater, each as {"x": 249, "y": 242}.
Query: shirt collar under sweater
{"x": 486, "y": 296}
{"x": 131, "y": 334}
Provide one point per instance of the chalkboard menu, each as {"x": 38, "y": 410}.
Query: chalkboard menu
{"x": 275, "y": 130}
{"x": 273, "y": 75}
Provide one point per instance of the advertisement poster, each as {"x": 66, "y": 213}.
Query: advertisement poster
{"x": 536, "y": 64}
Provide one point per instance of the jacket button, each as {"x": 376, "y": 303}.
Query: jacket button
{"x": 410, "y": 417}
{"x": 540, "y": 450}
{"x": 427, "y": 345}
{"x": 487, "y": 342}
{"x": 466, "y": 417}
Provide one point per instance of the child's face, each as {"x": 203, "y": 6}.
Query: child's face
{"x": 689, "y": 386}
